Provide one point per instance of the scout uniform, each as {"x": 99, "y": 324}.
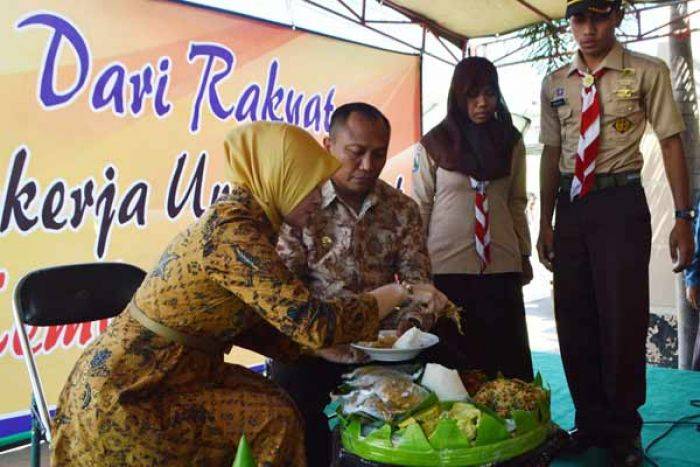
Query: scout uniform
{"x": 602, "y": 238}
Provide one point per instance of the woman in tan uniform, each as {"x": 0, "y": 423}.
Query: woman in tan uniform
{"x": 154, "y": 388}
{"x": 469, "y": 181}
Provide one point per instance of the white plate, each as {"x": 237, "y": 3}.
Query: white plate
{"x": 394, "y": 355}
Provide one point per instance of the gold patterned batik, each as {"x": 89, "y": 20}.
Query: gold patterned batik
{"x": 136, "y": 398}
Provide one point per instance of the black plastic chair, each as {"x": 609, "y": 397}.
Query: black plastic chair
{"x": 67, "y": 295}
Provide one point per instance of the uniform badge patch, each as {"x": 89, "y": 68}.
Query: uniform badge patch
{"x": 625, "y": 93}
{"x": 559, "y": 98}
{"x": 622, "y": 125}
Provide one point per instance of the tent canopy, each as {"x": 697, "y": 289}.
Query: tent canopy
{"x": 458, "y": 21}
{"x": 476, "y": 18}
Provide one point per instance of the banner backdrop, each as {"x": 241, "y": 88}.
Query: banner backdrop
{"x": 113, "y": 117}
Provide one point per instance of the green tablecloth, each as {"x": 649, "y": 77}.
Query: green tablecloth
{"x": 668, "y": 398}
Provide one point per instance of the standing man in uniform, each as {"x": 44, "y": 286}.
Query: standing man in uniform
{"x": 594, "y": 112}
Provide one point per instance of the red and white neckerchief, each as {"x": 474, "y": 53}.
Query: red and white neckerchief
{"x": 482, "y": 225}
{"x": 584, "y": 174}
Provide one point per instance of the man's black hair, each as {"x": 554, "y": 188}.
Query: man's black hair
{"x": 341, "y": 114}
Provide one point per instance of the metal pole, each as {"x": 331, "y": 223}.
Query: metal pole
{"x": 37, "y": 430}
{"x": 684, "y": 94}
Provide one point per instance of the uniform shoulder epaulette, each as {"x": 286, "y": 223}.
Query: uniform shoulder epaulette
{"x": 644, "y": 58}
{"x": 559, "y": 71}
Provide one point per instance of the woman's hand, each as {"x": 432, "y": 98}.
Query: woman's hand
{"x": 392, "y": 295}
{"x": 343, "y": 354}
{"x": 432, "y": 300}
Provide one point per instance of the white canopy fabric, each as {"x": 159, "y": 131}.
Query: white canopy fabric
{"x": 475, "y": 18}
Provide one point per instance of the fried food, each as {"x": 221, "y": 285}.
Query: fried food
{"x": 506, "y": 395}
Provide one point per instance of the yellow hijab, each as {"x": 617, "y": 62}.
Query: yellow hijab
{"x": 279, "y": 163}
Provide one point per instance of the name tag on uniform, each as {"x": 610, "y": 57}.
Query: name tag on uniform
{"x": 559, "y": 98}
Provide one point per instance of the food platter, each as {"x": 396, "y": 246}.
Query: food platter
{"x": 388, "y": 415}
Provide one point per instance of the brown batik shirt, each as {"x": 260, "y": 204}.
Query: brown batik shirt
{"x": 345, "y": 252}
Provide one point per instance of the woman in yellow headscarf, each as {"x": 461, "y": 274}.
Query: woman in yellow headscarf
{"x": 154, "y": 388}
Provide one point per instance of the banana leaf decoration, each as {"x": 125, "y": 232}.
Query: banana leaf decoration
{"x": 244, "y": 455}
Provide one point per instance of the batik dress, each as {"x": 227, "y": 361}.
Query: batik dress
{"x": 136, "y": 397}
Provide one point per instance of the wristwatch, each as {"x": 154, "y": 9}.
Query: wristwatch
{"x": 685, "y": 214}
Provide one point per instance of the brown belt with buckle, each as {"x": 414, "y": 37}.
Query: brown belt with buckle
{"x": 604, "y": 181}
{"x": 207, "y": 345}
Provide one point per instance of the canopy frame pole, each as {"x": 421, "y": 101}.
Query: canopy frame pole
{"x": 625, "y": 38}
{"x": 442, "y": 43}
{"x": 437, "y": 29}
{"x": 683, "y": 18}
{"x": 352, "y": 12}
{"x": 361, "y": 20}
{"x": 545, "y": 57}
{"x": 537, "y": 11}
{"x": 637, "y": 12}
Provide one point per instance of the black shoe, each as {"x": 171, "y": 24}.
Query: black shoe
{"x": 627, "y": 453}
{"x": 579, "y": 441}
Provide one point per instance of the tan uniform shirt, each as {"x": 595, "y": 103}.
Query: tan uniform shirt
{"x": 446, "y": 201}
{"x": 634, "y": 89}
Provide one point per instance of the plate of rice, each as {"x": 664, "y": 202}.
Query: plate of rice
{"x": 391, "y": 348}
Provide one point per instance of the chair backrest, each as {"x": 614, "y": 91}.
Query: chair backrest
{"x": 76, "y": 293}
{"x": 65, "y": 295}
